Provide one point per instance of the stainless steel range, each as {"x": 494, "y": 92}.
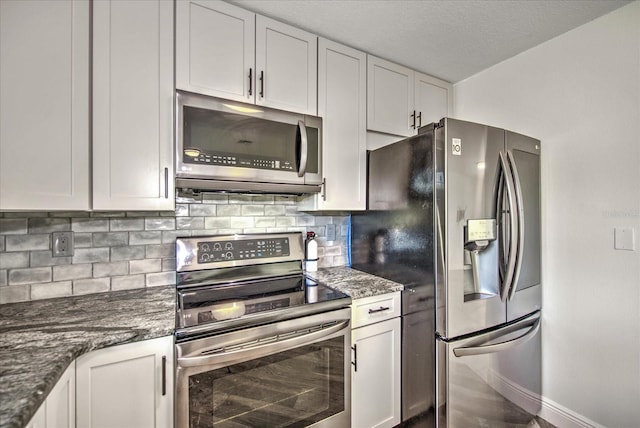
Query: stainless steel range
{"x": 257, "y": 342}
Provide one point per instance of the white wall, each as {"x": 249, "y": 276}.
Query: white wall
{"x": 580, "y": 94}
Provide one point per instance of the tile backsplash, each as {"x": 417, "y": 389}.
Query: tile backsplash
{"x": 125, "y": 250}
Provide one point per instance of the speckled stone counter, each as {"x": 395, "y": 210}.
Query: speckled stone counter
{"x": 355, "y": 283}
{"x": 39, "y": 339}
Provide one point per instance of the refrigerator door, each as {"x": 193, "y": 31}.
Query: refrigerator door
{"x": 469, "y": 289}
{"x": 492, "y": 379}
{"x": 525, "y": 294}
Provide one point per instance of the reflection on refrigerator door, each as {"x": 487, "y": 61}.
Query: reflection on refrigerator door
{"x": 491, "y": 379}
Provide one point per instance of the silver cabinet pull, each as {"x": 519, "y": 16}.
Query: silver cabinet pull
{"x": 324, "y": 189}
{"x": 380, "y": 309}
{"x": 301, "y": 136}
{"x": 164, "y": 375}
{"x": 166, "y": 183}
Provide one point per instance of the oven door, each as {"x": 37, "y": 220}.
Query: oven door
{"x": 293, "y": 373}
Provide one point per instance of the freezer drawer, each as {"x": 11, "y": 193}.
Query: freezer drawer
{"x": 491, "y": 379}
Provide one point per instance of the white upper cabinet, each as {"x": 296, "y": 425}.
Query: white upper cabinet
{"x": 133, "y": 97}
{"x": 215, "y": 49}
{"x": 44, "y": 106}
{"x": 286, "y": 64}
{"x": 342, "y": 100}
{"x": 228, "y": 52}
{"x": 401, "y": 100}
{"x": 432, "y": 99}
{"x": 390, "y": 97}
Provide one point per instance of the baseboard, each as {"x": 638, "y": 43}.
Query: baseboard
{"x": 547, "y": 409}
{"x": 563, "y": 417}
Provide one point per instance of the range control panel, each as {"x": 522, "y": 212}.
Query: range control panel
{"x": 221, "y": 251}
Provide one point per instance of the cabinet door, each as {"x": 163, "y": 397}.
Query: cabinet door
{"x": 432, "y": 99}
{"x": 44, "y": 107}
{"x": 59, "y": 408}
{"x": 126, "y": 385}
{"x": 375, "y": 377}
{"x": 342, "y": 101}
{"x": 389, "y": 97}
{"x": 286, "y": 67}
{"x": 133, "y": 105}
{"x": 215, "y": 49}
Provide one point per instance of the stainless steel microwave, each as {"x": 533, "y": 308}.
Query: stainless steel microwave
{"x": 234, "y": 147}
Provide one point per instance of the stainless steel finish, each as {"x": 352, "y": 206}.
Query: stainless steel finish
{"x": 520, "y": 219}
{"x": 187, "y": 256}
{"x": 229, "y": 178}
{"x": 304, "y": 149}
{"x": 324, "y": 189}
{"x": 479, "y": 347}
{"x": 493, "y": 389}
{"x": 507, "y": 281}
{"x": 231, "y": 348}
{"x": 166, "y": 183}
{"x": 164, "y": 375}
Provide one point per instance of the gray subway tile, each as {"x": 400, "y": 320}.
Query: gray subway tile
{"x": 254, "y": 230}
{"x": 107, "y": 214}
{"x": 90, "y": 224}
{"x": 169, "y": 236}
{"x": 127, "y": 282}
{"x": 29, "y": 275}
{"x": 161, "y": 251}
{"x": 182, "y": 210}
{"x": 168, "y": 265}
{"x": 13, "y": 226}
{"x": 215, "y": 198}
{"x": 167, "y": 213}
{"x": 88, "y": 286}
{"x": 3, "y": 276}
{"x": 163, "y": 278}
{"x": 136, "y": 252}
{"x": 263, "y": 199}
{"x": 77, "y": 271}
{"x": 285, "y": 200}
{"x": 274, "y": 210}
{"x": 285, "y": 221}
{"x": 91, "y": 255}
{"x": 203, "y": 210}
{"x": 69, "y": 214}
{"x": 27, "y": 242}
{"x": 15, "y": 293}
{"x": 190, "y": 223}
{"x": 110, "y": 269}
{"x": 48, "y": 225}
{"x": 265, "y": 222}
{"x": 82, "y": 240}
{"x": 110, "y": 239}
{"x": 333, "y": 250}
{"x": 305, "y": 220}
{"x": 45, "y": 258}
{"x": 159, "y": 223}
{"x": 51, "y": 290}
{"x": 144, "y": 238}
{"x": 142, "y": 214}
{"x": 126, "y": 224}
{"x": 242, "y": 222}
{"x": 229, "y": 210}
{"x": 240, "y": 199}
{"x": 145, "y": 266}
{"x": 217, "y": 223}
{"x": 252, "y": 210}
{"x": 1, "y": 243}
{"x": 18, "y": 259}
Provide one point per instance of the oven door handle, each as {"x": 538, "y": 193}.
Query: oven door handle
{"x": 271, "y": 343}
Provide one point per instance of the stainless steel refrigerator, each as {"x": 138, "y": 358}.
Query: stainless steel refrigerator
{"x": 454, "y": 214}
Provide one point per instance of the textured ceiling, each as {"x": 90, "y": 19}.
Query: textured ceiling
{"x": 448, "y": 39}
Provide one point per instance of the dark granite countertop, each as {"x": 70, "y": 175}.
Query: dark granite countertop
{"x": 355, "y": 283}
{"x": 39, "y": 339}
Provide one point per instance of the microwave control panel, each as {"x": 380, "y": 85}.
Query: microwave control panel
{"x": 199, "y": 157}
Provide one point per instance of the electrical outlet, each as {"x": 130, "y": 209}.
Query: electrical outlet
{"x": 331, "y": 232}
{"x": 62, "y": 244}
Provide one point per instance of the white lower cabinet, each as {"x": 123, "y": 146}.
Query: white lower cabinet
{"x": 126, "y": 386}
{"x": 375, "y": 368}
{"x": 59, "y": 409}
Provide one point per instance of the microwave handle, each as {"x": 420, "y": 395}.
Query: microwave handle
{"x": 304, "y": 148}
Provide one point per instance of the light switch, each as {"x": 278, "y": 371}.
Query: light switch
{"x": 624, "y": 238}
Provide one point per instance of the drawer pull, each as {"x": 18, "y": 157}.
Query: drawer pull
{"x": 380, "y": 309}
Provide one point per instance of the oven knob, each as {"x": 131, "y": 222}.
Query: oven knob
{"x": 205, "y": 257}
{"x": 205, "y": 247}
{"x": 217, "y": 247}
{"x": 228, "y": 246}
{"x": 229, "y": 255}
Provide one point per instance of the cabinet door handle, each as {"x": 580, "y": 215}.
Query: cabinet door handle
{"x": 261, "y": 84}
{"x": 164, "y": 375}
{"x": 250, "y": 81}
{"x": 419, "y": 119}
{"x": 413, "y": 117}
{"x": 380, "y": 309}
{"x": 324, "y": 189}
{"x": 166, "y": 183}
{"x": 355, "y": 357}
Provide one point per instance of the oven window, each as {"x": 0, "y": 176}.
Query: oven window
{"x": 294, "y": 388}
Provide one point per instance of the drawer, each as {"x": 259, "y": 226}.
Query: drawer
{"x": 373, "y": 309}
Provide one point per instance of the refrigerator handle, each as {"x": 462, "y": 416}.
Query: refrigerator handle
{"x": 511, "y": 260}
{"x": 520, "y": 220}
{"x": 468, "y": 351}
